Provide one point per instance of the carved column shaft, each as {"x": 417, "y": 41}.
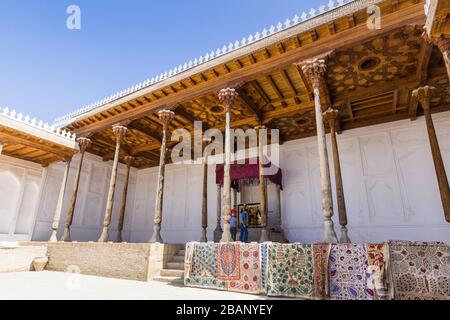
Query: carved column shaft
{"x": 59, "y": 205}
{"x": 227, "y": 97}
{"x": 261, "y": 131}
{"x": 123, "y": 205}
{"x": 204, "y": 237}
{"x": 331, "y": 116}
{"x": 84, "y": 143}
{"x": 165, "y": 116}
{"x": 119, "y": 132}
{"x": 423, "y": 95}
{"x": 218, "y": 231}
{"x": 315, "y": 71}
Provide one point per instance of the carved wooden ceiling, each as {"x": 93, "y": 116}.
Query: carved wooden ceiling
{"x": 369, "y": 79}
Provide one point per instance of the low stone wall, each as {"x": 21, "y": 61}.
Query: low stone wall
{"x": 20, "y": 259}
{"x": 129, "y": 261}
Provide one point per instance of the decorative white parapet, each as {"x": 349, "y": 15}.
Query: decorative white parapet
{"x": 20, "y": 122}
{"x": 214, "y": 54}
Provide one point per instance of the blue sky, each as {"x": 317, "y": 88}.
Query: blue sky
{"x": 47, "y": 70}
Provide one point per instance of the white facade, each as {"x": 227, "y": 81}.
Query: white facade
{"x": 388, "y": 174}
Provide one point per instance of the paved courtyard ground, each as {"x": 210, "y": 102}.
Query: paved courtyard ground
{"x": 64, "y": 286}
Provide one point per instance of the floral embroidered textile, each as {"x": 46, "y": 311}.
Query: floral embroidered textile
{"x": 290, "y": 270}
{"x": 347, "y": 269}
{"x": 228, "y": 259}
{"x": 250, "y": 279}
{"x": 420, "y": 271}
{"x": 201, "y": 267}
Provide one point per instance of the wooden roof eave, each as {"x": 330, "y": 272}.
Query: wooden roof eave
{"x": 410, "y": 15}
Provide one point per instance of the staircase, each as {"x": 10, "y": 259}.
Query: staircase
{"x": 174, "y": 271}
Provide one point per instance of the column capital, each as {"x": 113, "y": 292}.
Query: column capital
{"x": 166, "y": 116}
{"x": 84, "y": 143}
{"x": 119, "y": 131}
{"x": 315, "y": 70}
{"x": 129, "y": 160}
{"x": 227, "y": 97}
{"x": 423, "y": 95}
{"x": 260, "y": 127}
{"x": 442, "y": 43}
{"x": 331, "y": 116}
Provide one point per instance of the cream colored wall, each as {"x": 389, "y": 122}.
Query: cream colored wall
{"x": 20, "y": 191}
{"x": 91, "y": 201}
{"x": 389, "y": 181}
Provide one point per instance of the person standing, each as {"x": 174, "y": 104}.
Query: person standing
{"x": 243, "y": 225}
{"x": 233, "y": 224}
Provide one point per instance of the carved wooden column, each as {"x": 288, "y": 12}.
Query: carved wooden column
{"x": 278, "y": 223}
{"x": 84, "y": 143}
{"x": 423, "y": 95}
{"x": 227, "y": 97}
{"x": 315, "y": 71}
{"x": 204, "y": 237}
{"x": 331, "y": 116}
{"x": 218, "y": 231}
{"x": 166, "y": 116}
{"x": 444, "y": 46}
{"x": 260, "y": 131}
{"x": 59, "y": 205}
{"x": 119, "y": 131}
{"x": 129, "y": 162}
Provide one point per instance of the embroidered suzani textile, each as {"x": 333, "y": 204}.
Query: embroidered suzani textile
{"x": 321, "y": 260}
{"x": 290, "y": 270}
{"x": 201, "y": 266}
{"x": 347, "y": 269}
{"x": 228, "y": 261}
{"x": 379, "y": 283}
{"x": 250, "y": 273}
{"x": 420, "y": 271}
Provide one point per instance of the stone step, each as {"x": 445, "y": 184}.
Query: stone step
{"x": 172, "y": 273}
{"x": 177, "y": 259}
{"x": 171, "y": 280}
{"x": 175, "y": 265}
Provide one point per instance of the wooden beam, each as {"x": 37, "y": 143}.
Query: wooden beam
{"x": 275, "y": 87}
{"x": 288, "y": 81}
{"x": 251, "y": 106}
{"x": 145, "y": 131}
{"x": 411, "y": 15}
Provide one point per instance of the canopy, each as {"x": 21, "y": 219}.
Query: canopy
{"x": 247, "y": 171}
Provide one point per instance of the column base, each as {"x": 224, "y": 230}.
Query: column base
{"x": 264, "y": 236}
{"x": 204, "y": 237}
{"x": 218, "y": 234}
{"x": 226, "y": 235}
{"x": 329, "y": 233}
{"x": 156, "y": 237}
{"x": 105, "y": 235}
{"x": 344, "y": 235}
{"x": 53, "y": 237}
{"x": 119, "y": 237}
{"x": 66, "y": 235}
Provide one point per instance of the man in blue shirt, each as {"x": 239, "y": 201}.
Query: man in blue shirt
{"x": 233, "y": 224}
{"x": 243, "y": 225}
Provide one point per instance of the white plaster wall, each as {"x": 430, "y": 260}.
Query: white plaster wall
{"x": 20, "y": 186}
{"x": 389, "y": 180}
{"x": 91, "y": 201}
